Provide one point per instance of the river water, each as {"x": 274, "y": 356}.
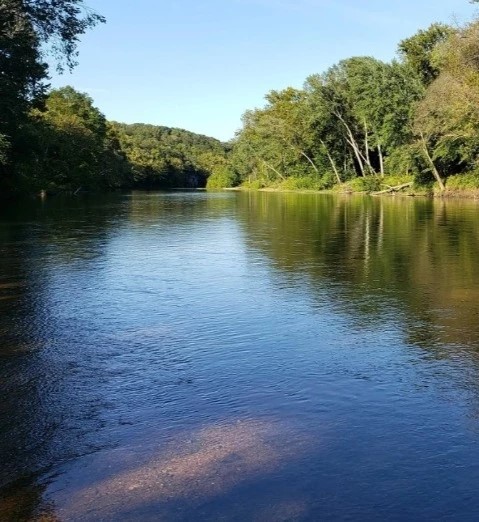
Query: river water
{"x": 239, "y": 356}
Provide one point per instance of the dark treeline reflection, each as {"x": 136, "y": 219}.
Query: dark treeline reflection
{"x": 178, "y": 208}
{"x": 38, "y": 239}
{"x": 413, "y": 260}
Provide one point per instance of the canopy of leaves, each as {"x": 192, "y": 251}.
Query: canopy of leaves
{"x": 58, "y": 24}
{"x": 418, "y": 50}
{"x": 418, "y": 115}
{"x": 169, "y": 157}
{"x": 30, "y": 32}
{"x": 21, "y": 69}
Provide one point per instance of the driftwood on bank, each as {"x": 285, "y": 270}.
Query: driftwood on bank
{"x": 392, "y": 189}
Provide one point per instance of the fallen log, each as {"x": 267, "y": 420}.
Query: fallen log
{"x": 392, "y": 189}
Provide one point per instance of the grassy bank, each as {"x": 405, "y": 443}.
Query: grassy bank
{"x": 459, "y": 186}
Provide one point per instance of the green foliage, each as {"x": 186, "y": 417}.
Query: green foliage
{"x": 396, "y": 180}
{"x": 363, "y": 118}
{"x": 222, "y": 177}
{"x": 467, "y": 181}
{"x": 404, "y": 161}
{"x": 115, "y": 168}
{"x": 162, "y": 157}
{"x": 367, "y": 184}
{"x": 253, "y": 184}
{"x": 419, "y": 50}
{"x": 446, "y": 121}
{"x": 57, "y": 25}
{"x": 30, "y": 30}
{"x": 21, "y": 75}
{"x": 70, "y": 145}
{"x": 70, "y": 140}
{"x": 345, "y": 121}
{"x": 307, "y": 182}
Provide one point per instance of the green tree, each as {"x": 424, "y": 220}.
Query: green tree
{"x": 447, "y": 119}
{"x": 162, "y": 157}
{"x": 362, "y": 110}
{"x": 57, "y": 26}
{"x": 71, "y": 136}
{"x": 30, "y": 32}
{"x": 418, "y": 50}
{"x": 21, "y": 75}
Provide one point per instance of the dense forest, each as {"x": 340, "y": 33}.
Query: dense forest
{"x": 362, "y": 125}
{"x": 67, "y": 144}
{"x": 366, "y": 125}
{"x": 166, "y": 157}
{"x": 57, "y": 140}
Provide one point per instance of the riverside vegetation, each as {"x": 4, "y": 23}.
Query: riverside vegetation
{"x": 58, "y": 140}
{"x": 362, "y": 125}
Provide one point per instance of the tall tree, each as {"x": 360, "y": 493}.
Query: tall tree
{"x": 31, "y": 31}
{"x": 71, "y": 135}
{"x": 418, "y": 50}
{"x": 21, "y": 68}
{"x": 58, "y": 24}
{"x": 447, "y": 119}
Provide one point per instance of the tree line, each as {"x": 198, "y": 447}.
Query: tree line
{"x": 365, "y": 124}
{"x": 57, "y": 140}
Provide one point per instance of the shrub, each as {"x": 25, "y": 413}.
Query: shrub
{"x": 366, "y": 184}
{"x": 467, "y": 181}
{"x": 254, "y": 184}
{"x": 306, "y": 183}
{"x": 394, "y": 181}
{"x": 221, "y": 177}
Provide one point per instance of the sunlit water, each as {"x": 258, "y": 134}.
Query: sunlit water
{"x": 224, "y": 356}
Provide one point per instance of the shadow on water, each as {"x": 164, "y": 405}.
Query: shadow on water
{"x": 34, "y": 236}
{"x": 238, "y": 357}
{"x": 216, "y": 471}
{"x": 23, "y": 501}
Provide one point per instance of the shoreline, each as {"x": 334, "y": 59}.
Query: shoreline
{"x": 463, "y": 194}
{"x": 471, "y": 194}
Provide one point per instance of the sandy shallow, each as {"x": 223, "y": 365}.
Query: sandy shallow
{"x": 180, "y": 478}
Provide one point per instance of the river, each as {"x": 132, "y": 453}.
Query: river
{"x": 239, "y": 356}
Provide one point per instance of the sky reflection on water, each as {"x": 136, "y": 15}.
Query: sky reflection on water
{"x": 188, "y": 356}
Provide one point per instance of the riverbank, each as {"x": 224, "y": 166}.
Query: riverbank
{"x": 410, "y": 191}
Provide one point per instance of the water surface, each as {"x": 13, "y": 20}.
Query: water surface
{"x": 250, "y": 356}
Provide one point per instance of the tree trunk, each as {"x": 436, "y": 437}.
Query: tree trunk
{"x": 352, "y": 142}
{"x": 310, "y": 160}
{"x": 381, "y": 160}
{"x": 297, "y": 149}
{"x": 393, "y": 189}
{"x": 366, "y": 147}
{"x": 431, "y": 162}
{"x": 333, "y": 165}
{"x": 273, "y": 169}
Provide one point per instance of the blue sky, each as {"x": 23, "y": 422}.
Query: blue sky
{"x": 200, "y": 64}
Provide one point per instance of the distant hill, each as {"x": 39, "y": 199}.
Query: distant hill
{"x": 164, "y": 157}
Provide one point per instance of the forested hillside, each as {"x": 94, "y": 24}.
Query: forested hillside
{"x": 168, "y": 157}
{"x": 57, "y": 140}
{"x": 68, "y": 144}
